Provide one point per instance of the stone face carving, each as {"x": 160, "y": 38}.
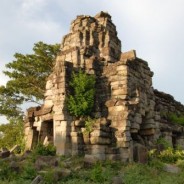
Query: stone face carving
{"x": 127, "y": 110}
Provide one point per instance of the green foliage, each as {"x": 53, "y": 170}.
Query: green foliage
{"x": 6, "y": 173}
{"x": 176, "y": 118}
{"x": 89, "y": 123}
{"x": 145, "y": 174}
{"x": 168, "y": 155}
{"x": 9, "y": 103}
{"x": 180, "y": 163}
{"x": 12, "y": 134}
{"x": 138, "y": 173}
{"x": 49, "y": 177}
{"x": 28, "y": 70}
{"x": 28, "y": 172}
{"x": 43, "y": 150}
{"x": 97, "y": 174}
{"x": 27, "y": 75}
{"x": 101, "y": 172}
{"x": 156, "y": 164}
{"x": 81, "y": 100}
{"x": 163, "y": 142}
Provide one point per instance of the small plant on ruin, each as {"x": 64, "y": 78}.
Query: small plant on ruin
{"x": 167, "y": 155}
{"x": 43, "y": 150}
{"x": 89, "y": 123}
{"x": 80, "y": 101}
{"x": 178, "y": 119}
{"x": 163, "y": 142}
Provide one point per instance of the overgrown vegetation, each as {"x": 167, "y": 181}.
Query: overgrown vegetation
{"x": 178, "y": 119}
{"x": 168, "y": 155}
{"x": 81, "y": 98}
{"x": 89, "y": 123}
{"x": 163, "y": 142}
{"x": 25, "y": 74}
{"x": 44, "y": 150}
{"x": 12, "y": 134}
{"x": 100, "y": 172}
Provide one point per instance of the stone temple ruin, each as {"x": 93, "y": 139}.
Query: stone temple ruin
{"x": 128, "y": 111}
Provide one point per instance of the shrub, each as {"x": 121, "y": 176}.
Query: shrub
{"x": 49, "y": 177}
{"x": 97, "y": 174}
{"x": 28, "y": 172}
{"x": 163, "y": 142}
{"x": 168, "y": 155}
{"x": 43, "y": 150}
{"x": 180, "y": 163}
{"x": 80, "y": 101}
{"x": 6, "y": 172}
{"x": 14, "y": 137}
{"x": 156, "y": 164}
{"x": 178, "y": 119}
{"x": 89, "y": 123}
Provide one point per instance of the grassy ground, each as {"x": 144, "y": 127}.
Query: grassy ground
{"x": 103, "y": 173}
{"x": 22, "y": 170}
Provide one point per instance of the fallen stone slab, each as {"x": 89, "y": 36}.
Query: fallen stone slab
{"x": 117, "y": 180}
{"x": 61, "y": 173}
{"x": 46, "y": 161}
{"x": 15, "y": 148}
{"x": 37, "y": 180}
{"x": 171, "y": 168}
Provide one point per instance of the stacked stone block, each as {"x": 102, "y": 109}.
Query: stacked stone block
{"x": 127, "y": 111}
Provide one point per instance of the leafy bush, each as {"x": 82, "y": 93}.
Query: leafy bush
{"x": 179, "y": 119}
{"x": 6, "y": 172}
{"x": 89, "y": 123}
{"x": 43, "y": 150}
{"x": 14, "y": 137}
{"x": 156, "y": 164}
{"x": 28, "y": 172}
{"x": 81, "y": 100}
{"x": 137, "y": 173}
{"x": 168, "y": 155}
{"x": 163, "y": 142}
{"x": 97, "y": 174}
{"x": 49, "y": 177}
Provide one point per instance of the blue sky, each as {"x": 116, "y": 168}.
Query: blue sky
{"x": 154, "y": 28}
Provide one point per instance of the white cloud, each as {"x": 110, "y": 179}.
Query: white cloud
{"x": 154, "y": 28}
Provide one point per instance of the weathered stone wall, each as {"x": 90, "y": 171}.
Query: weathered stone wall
{"x": 127, "y": 111}
{"x": 166, "y": 105}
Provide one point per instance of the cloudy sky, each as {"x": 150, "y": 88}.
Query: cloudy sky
{"x": 154, "y": 28}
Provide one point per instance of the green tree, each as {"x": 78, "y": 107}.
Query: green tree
{"x": 81, "y": 100}
{"x": 12, "y": 133}
{"x": 27, "y": 75}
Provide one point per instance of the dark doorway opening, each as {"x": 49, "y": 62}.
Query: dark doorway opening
{"x": 46, "y": 133}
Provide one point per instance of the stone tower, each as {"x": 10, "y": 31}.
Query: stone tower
{"x": 127, "y": 109}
